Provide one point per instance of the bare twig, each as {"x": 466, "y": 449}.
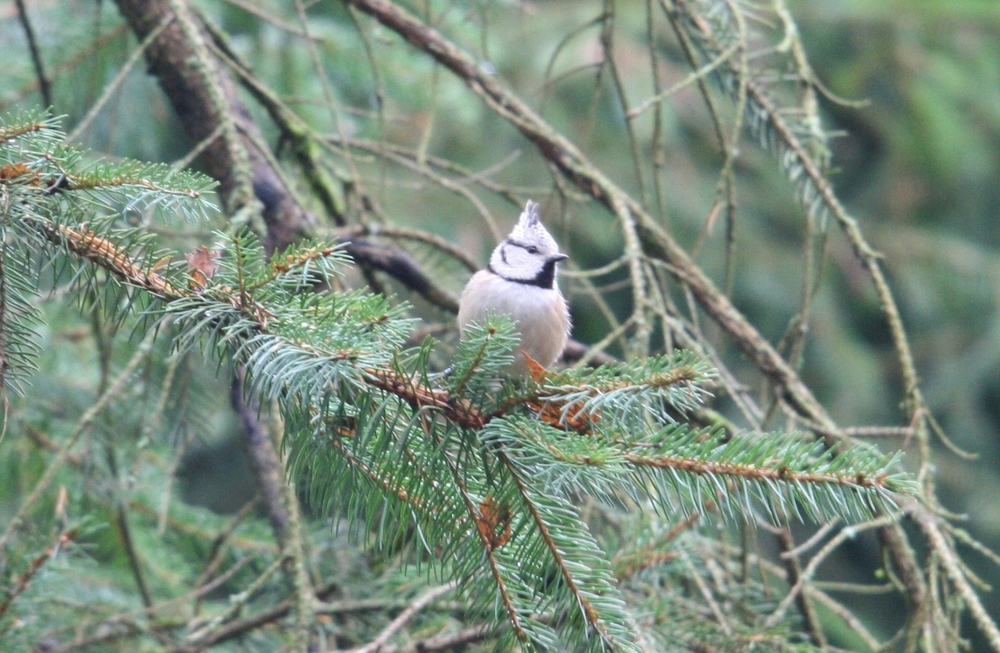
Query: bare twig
{"x": 36, "y": 56}
{"x": 653, "y": 240}
{"x": 199, "y": 638}
{"x": 86, "y": 421}
{"x": 123, "y": 625}
{"x": 953, "y": 567}
{"x": 282, "y": 506}
{"x": 795, "y": 576}
{"x": 418, "y": 604}
{"x": 21, "y": 582}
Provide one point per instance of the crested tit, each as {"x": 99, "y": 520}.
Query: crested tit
{"x": 520, "y": 281}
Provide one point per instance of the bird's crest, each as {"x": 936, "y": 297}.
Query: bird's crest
{"x": 529, "y": 228}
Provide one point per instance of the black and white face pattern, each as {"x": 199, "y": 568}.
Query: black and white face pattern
{"x": 529, "y": 254}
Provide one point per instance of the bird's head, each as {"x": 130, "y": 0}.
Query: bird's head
{"x": 529, "y": 254}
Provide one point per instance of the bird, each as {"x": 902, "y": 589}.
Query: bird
{"x": 521, "y": 282}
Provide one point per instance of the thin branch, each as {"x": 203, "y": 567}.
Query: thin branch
{"x": 86, "y": 420}
{"x": 239, "y": 627}
{"x": 124, "y": 71}
{"x": 694, "y": 76}
{"x": 122, "y": 625}
{"x": 795, "y": 576}
{"x": 377, "y": 645}
{"x": 416, "y": 235}
{"x": 220, "y": 545}
{"x": 452, "y": 642}
{"x": 22, "y": 581}
{"x": 201, "y": 638}
{"x": 36, "y": 56}
{"x": 952, "y": 565}
{"x": 653, "y": 240}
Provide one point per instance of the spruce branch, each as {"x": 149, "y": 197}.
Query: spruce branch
{"x": 682, "y": 380}
{"x": 108, "y": 255}
{"x": 292, "y": 353}
{"x": 472, "y": 466}
{"x": 333, "y": 359}
{"x": 38, "y": 124}
{"x": 310, "y": 357}
{"x": 784, "y": 474}
{"x": 581, "y": 568}
{"x": 18, "y": 317}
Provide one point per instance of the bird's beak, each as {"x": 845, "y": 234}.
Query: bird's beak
{"x": 559, "y": 257}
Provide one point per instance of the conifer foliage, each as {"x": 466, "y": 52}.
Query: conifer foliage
{"x": 491, "y": 480}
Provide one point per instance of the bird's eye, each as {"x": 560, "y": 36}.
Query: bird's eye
{"x": 532, "y": 249}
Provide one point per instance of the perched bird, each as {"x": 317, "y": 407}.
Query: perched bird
{"x": 520, "y": 281}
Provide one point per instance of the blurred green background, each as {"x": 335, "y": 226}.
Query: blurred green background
{"x": 914, "y": 103}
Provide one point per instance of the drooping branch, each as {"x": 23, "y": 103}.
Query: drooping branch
{"x": 655, "y": 242}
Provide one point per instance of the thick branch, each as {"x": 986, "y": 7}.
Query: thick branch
{"x": 206, "y": 102}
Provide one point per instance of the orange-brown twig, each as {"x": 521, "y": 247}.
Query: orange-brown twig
{"x": 754, "y": 472}
{"x": 112, "y": 258}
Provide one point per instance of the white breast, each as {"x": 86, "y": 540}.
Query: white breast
{"x": 540, "y": 314}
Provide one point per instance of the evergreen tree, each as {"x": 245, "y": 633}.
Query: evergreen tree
{"x": 486, "y": 476}
{"x": 700, "y": 489}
